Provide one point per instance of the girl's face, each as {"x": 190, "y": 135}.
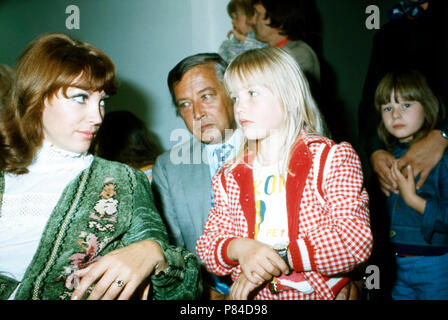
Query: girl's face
{"x": 71, "y": 123}
{"x": 258, "y": 112}
{"x": 402, "y": 119}
{"x": 240, "y": 22}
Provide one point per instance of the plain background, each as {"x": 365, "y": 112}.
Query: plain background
{"x": 146, "y": 38}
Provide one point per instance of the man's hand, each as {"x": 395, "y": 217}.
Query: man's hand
{"x": 381, "y": 161}
{"x": 241, "y": 288}
{"x": 351, "y": 291}
{"x": 423, "y": 155}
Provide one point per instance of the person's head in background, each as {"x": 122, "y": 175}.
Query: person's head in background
{"x": 59, "y": 93}
{"x": 6, "y": 80}
{"x": 271, "y": 75}
{"x": 125, "y": 138}
{"x": 275, "y": 21}
{"x": 406, "y": 106}
{"x": 198, "y": 93}
{"x": 241, "y": 13}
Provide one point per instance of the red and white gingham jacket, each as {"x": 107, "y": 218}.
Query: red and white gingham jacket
{"x": 329, "y": 231}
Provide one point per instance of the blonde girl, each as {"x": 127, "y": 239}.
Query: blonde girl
{"x": 291, "y": 213}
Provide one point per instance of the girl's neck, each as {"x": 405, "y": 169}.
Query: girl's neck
{"x": 268, "y": 150}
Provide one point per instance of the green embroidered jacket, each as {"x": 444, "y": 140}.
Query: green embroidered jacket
{"x": 108, "y": 206}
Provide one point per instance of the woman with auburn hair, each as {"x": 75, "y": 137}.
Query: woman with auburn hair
{"x": 73, "y": 225}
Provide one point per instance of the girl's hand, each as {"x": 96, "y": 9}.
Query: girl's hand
{"x": 119, "y": 273}
{"x": 241, "y": 288}
{"x": 258, "y": 261}
{"x": 406, "y": 185}
{"x": 407, "y": 188}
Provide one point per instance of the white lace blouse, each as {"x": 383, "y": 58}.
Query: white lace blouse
{"x": 28, "y": 201}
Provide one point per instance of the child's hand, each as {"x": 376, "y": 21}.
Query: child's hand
{"x": 258, "y": 261}
{"x": 241, "y": 288}
{"x": 238, "y": 36}
{"x": 407, "y": 188}
{"x": 406, "y": 185}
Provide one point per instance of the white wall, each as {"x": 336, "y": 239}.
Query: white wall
{"x": 145, "y": 39}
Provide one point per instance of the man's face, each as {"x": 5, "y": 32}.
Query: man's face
{"x": 203, "y": 104}
{"x": 260, "y": 24}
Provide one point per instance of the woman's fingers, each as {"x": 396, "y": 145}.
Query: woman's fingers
{"x": 88, "y": 277}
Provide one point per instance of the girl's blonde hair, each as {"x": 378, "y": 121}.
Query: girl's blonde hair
{"x": 276, "y": 70}
{"x": 410, "y": 85}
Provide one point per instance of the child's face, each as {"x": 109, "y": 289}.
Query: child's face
{"x": 240, "y": 22}
{"x": 403, "y": 119}
{"x": 258, "y": 112}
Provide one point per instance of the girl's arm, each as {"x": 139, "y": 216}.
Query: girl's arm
{"x": 434, "y": 207}
{"x": 220, "y": 228}
{"x": 343, "y": 238}
{"x": 435, "y": 218}
{"x": 225, "y": 243}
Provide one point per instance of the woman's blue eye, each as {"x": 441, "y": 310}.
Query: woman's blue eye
{"x": 234, "y": 99}
{"x": 406, "y": 105}
{"x": 387, "y": 109}
{"x": 81, "y": 98}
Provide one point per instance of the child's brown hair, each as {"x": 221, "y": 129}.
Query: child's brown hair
{"x": 245, "y": 5}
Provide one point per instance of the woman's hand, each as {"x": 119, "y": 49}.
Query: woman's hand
{"x": 258, "y": 261}
{"x": 119, "y": 273}
{"x": 241, "y": 288}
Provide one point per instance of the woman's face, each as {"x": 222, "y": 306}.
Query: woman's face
{"x": 71, "y": 123}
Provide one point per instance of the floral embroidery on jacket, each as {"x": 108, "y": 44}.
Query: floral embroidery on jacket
{"x": 78, "y": 261}
{"x": 102, "y": 219}
{"x": 105, "y": 209}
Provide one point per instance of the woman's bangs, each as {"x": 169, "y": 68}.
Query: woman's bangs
{"x": 97, "y": 77}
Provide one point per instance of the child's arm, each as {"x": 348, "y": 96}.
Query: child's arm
{"x": 225, "y": 244}
{"x": 435, "y": 218}
{"x": 408, "y": 192}
{"x": 258, "y": 261}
